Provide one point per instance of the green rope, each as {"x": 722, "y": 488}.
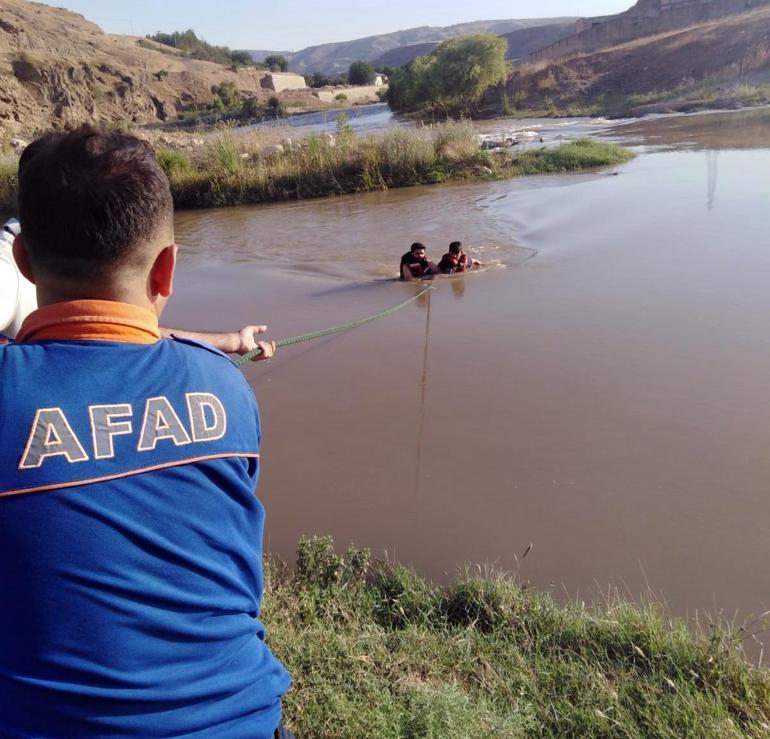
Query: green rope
{"x": 331, "y": 331}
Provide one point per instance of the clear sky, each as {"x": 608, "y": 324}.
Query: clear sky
{"x": 290, "y": 26}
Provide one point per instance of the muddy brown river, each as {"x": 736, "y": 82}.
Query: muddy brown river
{"x": 601, "y": 391}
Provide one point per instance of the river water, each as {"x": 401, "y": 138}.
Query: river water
{"x": 601, "y": 391}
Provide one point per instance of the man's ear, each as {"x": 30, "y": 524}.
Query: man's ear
{"x": 21, "y": 258}
{"x": 162, "y": 273}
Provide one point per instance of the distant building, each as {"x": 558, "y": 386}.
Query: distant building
{"x": 280, "y": 81}
{"x": 380, "y": 79}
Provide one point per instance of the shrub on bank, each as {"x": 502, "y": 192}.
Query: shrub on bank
{"x": 378, "y": 651}
{"x": 173, "y": 161}
{"x": 576, "y": 155}
{"x": 9, "y": 168}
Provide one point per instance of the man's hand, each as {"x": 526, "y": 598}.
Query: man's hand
{"x": 232, "y": 342}
{"x": 247, "y": 342}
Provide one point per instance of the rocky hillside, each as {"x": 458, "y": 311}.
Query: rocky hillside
{"x": 58, "y": 69}
{"x": 521, "y": 43}
{"x": 702, "y": 61}
{"x": 403, "y": 55}
{"x": 336, "y": 58}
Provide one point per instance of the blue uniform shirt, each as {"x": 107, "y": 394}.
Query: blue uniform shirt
{"x": 131, "y": 544}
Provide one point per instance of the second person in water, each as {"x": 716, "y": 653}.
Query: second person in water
{"x": 456, "y": 260}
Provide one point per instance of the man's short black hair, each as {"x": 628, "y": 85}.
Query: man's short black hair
{"x": 89, "y": 200}
{"x": 417, "y": 245}
{"x": 455, "y": 247}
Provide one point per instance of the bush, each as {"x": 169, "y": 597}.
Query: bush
{"x": 317, "y": 563}
{"x": 227, "y": 93}
{"x": 361, "y": 73}
{"x": 276, "y": 108}
{"x": 341, "y": 97}
{"x": 224, "y": 156}
{"x": 173, "y": 161}
{"x": 318, "y": 79}
{"x": 9, "y": 167}
{"x": 252, "y": 108}
{"x": 403, "y": 598}
{"x": 276, "y": 63}
{"x": 345, "y": 133}
{"x": 456, "y": 141}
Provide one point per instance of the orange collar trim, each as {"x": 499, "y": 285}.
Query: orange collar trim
{"x": 91, "y": 320}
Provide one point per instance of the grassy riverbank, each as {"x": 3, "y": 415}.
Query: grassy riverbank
{"x": 232, "y": 169}
{"x": 322, "y": 165}
{"x": 378, "y": 652}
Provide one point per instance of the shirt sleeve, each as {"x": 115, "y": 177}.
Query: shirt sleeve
{"x": 9, "y": 291}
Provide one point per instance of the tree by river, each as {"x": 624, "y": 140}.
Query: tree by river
{"x": 452, "y": 78}
{"x": 361, "y": 73}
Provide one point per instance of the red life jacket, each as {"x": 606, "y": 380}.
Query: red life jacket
{"x": 464, "y": 263}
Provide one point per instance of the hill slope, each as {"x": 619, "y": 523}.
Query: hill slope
{"x": 702, "y": 60}
{"x": 336, "y": 58}
{"x": 521, "y": 43}
{"x": 524, "y": 41}
{"x": 58, "y": 69}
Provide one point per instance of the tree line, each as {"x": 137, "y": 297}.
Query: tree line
{"x": 196, "y": 48}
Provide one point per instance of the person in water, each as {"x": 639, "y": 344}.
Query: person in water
{"x": 415, "y": 265}
{"x": 456, "y": 260}
{"x": 130, "y": 533}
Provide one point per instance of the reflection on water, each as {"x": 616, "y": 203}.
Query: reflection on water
{"x": 423, "y": 392}
{"x": 712, "y": 164}
{"x": 747, "y": 129}
{"x": 606, "y": 399}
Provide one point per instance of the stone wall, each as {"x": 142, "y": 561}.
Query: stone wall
{"x": 280, "y": 81}
{"x": 354, "y": 95}
{"x": 646, "y": 18}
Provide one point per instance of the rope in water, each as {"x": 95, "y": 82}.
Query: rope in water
{"x": 331, "y": 331}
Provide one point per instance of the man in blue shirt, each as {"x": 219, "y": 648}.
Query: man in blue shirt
{"x": 130, "y": 535}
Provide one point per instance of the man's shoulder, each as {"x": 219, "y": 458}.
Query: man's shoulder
{"x": 183, "y": 342}
{"x": 204, "y": 356}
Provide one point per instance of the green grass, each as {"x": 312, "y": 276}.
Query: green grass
{"x": 379, "y": 652}
{"x": 173, "y": 161}
{"x": 9, "y": 167}
{"x": 571, "y": 157}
